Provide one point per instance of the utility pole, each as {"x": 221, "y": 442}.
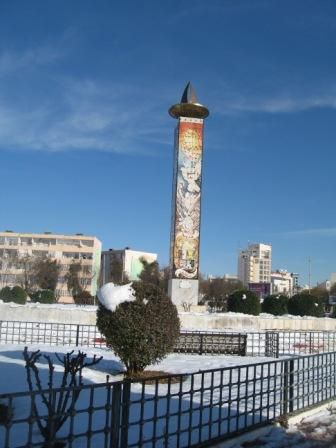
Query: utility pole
{"x": 309, "y": 274}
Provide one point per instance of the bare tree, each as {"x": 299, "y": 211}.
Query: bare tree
{"x": 46, "y": 273}
{"x": 118, "y": 276}
{"x": 79, "y": 278}
{"x": 26, "y": 264}
{"x": 216, "y": 291}
{"x": 62, "y": 404}
{"x": 73, "y": 279}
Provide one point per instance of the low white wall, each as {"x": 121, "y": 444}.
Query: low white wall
{"x": 65, "y": 314}
{"x": 241, "y": 322}
{"x": 72, "y": 314}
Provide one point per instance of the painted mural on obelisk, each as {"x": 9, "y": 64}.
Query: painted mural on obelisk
{"x": 188, "y": 199}
{"x": 186, "y": 213}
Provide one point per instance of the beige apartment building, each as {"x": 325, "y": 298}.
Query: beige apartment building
{"x": 66, "y": 249}
{"x": 255, "y": 263}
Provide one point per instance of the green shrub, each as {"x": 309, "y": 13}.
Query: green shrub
{"x": 141, "y": 332}
{"x": 43, "y": 296}
{"x": 84, "y": 298}
{"x": 305, "y": 304}
{"x": 15, "y": 294}
{"x": 275, "y": 304}
{"x": 6, "y": 294}
{"x": 244, "y": 301}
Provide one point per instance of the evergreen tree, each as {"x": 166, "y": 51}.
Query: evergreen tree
{"x": 43, "y": 296}
{"x": 15, "y": 294}
{"x": 275, "y": 304}
{"x": 143, "y": 331}
{"x": 150, "y": 272}
{"x": 305, "y": 304}
{"x": 244, "y": 301}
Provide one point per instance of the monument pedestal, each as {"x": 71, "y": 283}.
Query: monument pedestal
{"x": 183, "y": 291}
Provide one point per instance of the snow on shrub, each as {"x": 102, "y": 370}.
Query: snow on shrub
{"x": 140, "y": 323}
{"x": 111, "y": 295}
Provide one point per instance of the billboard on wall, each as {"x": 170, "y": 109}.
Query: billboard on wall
{"x": 260, "y": 289}
{"x": 187, "y": 192}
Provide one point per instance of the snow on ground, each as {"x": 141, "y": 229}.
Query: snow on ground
{"x": 315, "y": 431}
{"x": 181, "y": 399}
{"x": 59, "y": 306}
{"x": 93, "y": 308}
{"x": 12, "y": 364}
{"x": 244, "y": 315}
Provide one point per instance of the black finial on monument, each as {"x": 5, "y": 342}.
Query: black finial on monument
{"x": 189, "y": 105}
{"x": 189, "y": 94}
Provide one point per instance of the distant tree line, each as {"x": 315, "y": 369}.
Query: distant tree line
{"x": 247, "y": 302}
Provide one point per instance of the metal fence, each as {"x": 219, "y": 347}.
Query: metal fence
{"x": 263, "y": 343}
{"x": 185, "y": 410}
{"x": 18, "y": 332}
{"x": 284, "y": 343}
{"x": 211, "y": 343}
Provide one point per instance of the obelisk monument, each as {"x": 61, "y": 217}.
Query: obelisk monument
{"x": 186, "y": 201}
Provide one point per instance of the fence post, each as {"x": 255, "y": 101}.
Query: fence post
{"x": 267, "y": 343}
{"x": 288, "y": 387}
{"x": 285, "y": 389}
{"x": 278, "y": 345}
{"x": 126, "y": 401}
{"x": 291, "y": 385}
{"x": 115, "y": 415}
{"x": 77, "y": 336}
{"x": 244, "y": 348}
{"x": 201, "y": 345}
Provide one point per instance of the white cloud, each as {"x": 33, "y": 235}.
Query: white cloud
{"x": 277, "y": 102}
{"x": 11, "y": 61}
{"x": 322, "y": 232}
{"x": 31, "y": 58}
{"x": 84, "y": 115}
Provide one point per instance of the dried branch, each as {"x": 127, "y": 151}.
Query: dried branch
{"x": 61, "y": 404}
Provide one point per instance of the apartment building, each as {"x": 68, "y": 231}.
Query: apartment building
{"x": 332, "y": 279}
{"x": 254, "y": 264}
{"x": 66, "y": 249}
{"x": 282, "y": 282}
{"x": 130, "y": 260}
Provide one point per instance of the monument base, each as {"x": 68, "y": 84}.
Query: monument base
{"x": 182, "y": 292}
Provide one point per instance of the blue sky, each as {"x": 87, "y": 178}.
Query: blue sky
{"x": 86, "y": 143}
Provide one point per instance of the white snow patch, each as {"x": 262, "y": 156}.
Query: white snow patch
{"x": 58, "y": 306}
{"x": 111, "y": 295}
